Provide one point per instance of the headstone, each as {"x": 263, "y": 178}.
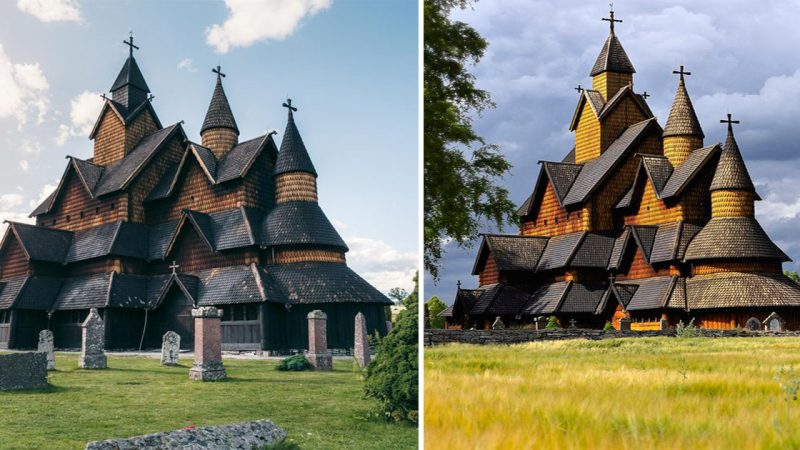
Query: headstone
{"x": 46, "y": 346}
{"x": 774, "y": 322}
{"x": 388, "y": 326}
{"x": 207, "y": 345}
{"x": 318, "y": 354}
{"x": 20, "y": 371}
{"x": 93, "y": 338}
{"x": 625, "y": 324}
{"x": 573, "y": 324}
{"x": 498, "y": 324}
{"x": 663, "y": 324}
{"x": 361, "y": 345}
{"x": 540, "y": 322}
{"x": 170, "y": 348}
{"x": 753, "y": 324}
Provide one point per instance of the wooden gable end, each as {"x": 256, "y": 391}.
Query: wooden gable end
{"x": 624, "y": 114}
{"x": 75, "y": 209}
{"x": 635, "y": 266}
{"x": 13, "y": 259}
{"x": 587, "y": 135}
{"x": 649, "y": 209}
{"x": 113, "y": 140}
{"x": 549, "y": 218}
{"x": 259, "y": 184}
{"x": 168, "y": 157}
{"x": 489, "y": 273}
{"x": 191, "y": 252}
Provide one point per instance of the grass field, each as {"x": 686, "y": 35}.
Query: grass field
{"x": 137, "y": 395}
{"x": 615, "y": 394}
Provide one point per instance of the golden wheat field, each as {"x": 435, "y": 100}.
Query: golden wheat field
{"x": 641, "y": 393}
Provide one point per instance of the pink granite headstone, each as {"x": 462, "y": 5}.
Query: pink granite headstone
{"x": 207, "y": 345}
{"x": 318, "y": 354}
{"x": 361, "y": 344}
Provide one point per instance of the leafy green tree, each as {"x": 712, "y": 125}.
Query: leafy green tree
{"x": 552, "y": 323}
{"x": 435, "y": 306}
{"x": 398, "y": 294}
{"x": 392, "y": 375}
{"x": 792, "y": 276}
{"x": 460, "y": 189}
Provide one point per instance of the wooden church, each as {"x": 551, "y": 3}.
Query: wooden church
{"x": 155, "y": 224}
{"x": 636, "y": 221}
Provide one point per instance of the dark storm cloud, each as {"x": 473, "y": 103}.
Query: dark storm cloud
{"x": 743, "y": 56}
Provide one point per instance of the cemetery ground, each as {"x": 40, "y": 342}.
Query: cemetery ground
{"x": 137, "y": 395}
{"x": 618, "y": 393}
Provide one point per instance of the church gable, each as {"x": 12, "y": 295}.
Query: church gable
{"x": 118, "y": 131}
{"x": 191, "y": 251}
{"x": 164, "y": 162}
{"x": 75, "y": 209}
{"x": 13, "y": 259}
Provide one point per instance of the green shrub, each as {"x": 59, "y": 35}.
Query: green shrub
{"x": 687, "y": 330}
{"x": 296, "y": 363}
{"x": 392, "y": 376}
{"x": 609, "y": 326}
{"x": 552, "y": 323}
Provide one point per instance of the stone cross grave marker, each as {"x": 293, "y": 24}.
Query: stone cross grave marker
{"x": 170, "y": 348}
{"x": 46, "y": 346}
{"x": 498, "y": 324}
{"x": 318, "y": 354}
{"x": 573, "y": 323}
{"x": 93, "y": 335}
{"x": 207, "y": 345}
{"x": 361, "y": 345}
{"x": 774, "y": 322}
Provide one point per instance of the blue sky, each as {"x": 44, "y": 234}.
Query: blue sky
{"x": 349, "y": 66}
{"x": 743, "y": 57}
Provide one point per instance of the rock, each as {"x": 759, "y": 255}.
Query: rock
{"x": 20, "y": 371}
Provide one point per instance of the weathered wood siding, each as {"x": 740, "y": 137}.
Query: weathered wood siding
{"x": 624, "y": 114}
{"x": 639, "y": 267}
{"x": 549, "y": 218}
{"x": 13, "y": 261}
{"x": 76, "y": 210}
{"x": 293, "y": 256}
{"x": 113, "y": 140}
{"x": 169, "y": 156}
{"x": 587, "y": 135}
{"x": 295, "y": 186}
{"x": 219, "y": 140}
{"x": 608, "y": 83}
{"x": 191, "y": 253}
{"x": 726, "y": 203}
{"x": 489, "y": 274}
{"x": 736, "y": 266}
{"x": 678, "y": 148}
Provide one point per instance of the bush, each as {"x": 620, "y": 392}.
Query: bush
{"x": 296, "y": 363}
{"x": 552, "y": 323}
{"x": 435, "y": 306}
{"x": 609, "y": 326}
{"x": 687, "y": 330}
{"x": 392, "y": 376}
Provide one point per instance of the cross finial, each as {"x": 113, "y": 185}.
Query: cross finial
{"x": 218, "y": 70}
{"x": 645, "y": 95}
{"x": 458, "y": 284}
{"x": 579, "y": 89}
{"x": 681, "y": 72}
{"x": 288, "y": 105}
{"x": 129, "y": 43}
{"x": 730, "y": 122}
{"x": 174, "y": 267}
{"x": 611, "y": 18}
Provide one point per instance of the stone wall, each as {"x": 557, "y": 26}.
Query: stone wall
{"x": 488, "y": 337}
{"x": 245, "y": 435}
{"x": 23, "y": 371}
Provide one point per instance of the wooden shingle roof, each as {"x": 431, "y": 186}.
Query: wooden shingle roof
{"x": 511, "y": 252}
{"x": 612, "y": 58}
{"x": 682, "y": 120}
{"x": 736, "y": 289}
{"x": 731, "y": 171}
{"x": 322, "y": 282}
{"x": 546, "y": 299}
{"x": 219, "y": 114}
{"x": 293, "y": 156}
{"x": 733, "y": 238}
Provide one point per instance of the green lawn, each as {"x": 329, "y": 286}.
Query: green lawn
{"x": 615, "y": 394}
{"x": 137, "y": 395}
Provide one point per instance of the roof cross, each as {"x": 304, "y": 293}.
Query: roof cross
{"x": 729, "y": 121}
{"x": 579, "y": 89}
{"x": 174, "y": 267}
{"x": 218, "y": 71}
{"x": 645, "y": 95}
{"x": 130, "y": 44}
{"x": 681, "y": 72}
{"x": 458, "y": 284}
{"x": 288, "y": 104}
{"x": 611, "y": 19}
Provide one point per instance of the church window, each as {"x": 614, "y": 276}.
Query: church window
{"x": 81, "y": 214}
{"x": 68, "y": 217}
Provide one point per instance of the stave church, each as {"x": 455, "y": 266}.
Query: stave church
{"x": 637, "y": 222}
{"x": 155, "y": 224}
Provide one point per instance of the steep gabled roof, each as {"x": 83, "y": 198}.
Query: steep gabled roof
{"x": 582, "y": 298}
{"x": 511, "y": 252}
{"x": 561, "y": 176}
{"x": 616, "y": 99}
{"x": 126, "y": 115}
{"x": 219, "y": 114}
{"x": 731, "y": 171}
{"x": 658, "y": 170}
{"x": 593, "y": 251}
{"x": 645, "y": 236}
{"x": 733, "y": 238}
{"x": 618, "y": 251}
{"x": 559, "y": 251}
{"x": 596, "y": 171}
{"x": 612, "y": 58}
{"x": 509, "y": 301}
{"x": 118, "y": 238}
{"x": 546, "y": 299}
{"x": 650, "y": 293}
{"x": 293, "y": 156}
{"x": 88, "y": 172}
{"x": 241, "y": 157}
{"x": 683, "y": 175}
{"x": 130, "y": 74}
{"x": 682, "y": 120}
{"x": 236, "y": 284}
{"x": 671, "y": 241}
{"x": 38, "y": 293}
{"x": 299, "y": 223}
{"x": 323, "y": 282}
{"x": 488, "y": 293}
{"x": 40, "y": 243}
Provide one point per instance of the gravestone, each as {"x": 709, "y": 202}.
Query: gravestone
{"x": 774, "y": 322}
{"x": 170, "y": 348}
{"x": 93, "y": 338}
{"x": 498, "y": 324}
{"x": 318, "y": 355}
{"x": 388, "y": 326}
{"x": 46, "y": 346}
{"x": 361, "y": 345}
{"x": 753, "y": 324}
{"x": 540, "y": 323}
{"x": 573, "y": 324}
{"x": 20, "y": 371}
{"x": 663, "y": 324}
{"x": 625, "y": 324}
{"x": 207, "y": 345}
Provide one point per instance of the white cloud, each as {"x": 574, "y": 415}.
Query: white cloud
{"x": 252, "y": 21}
{"x": 23, "y": 164}
{"x": 380, "y": 264}
{"x": 83, "y": 114}
{"x": 186, "y": 64}
{"x": 31, "y": 147}
{"x": 52, "y": 10}
{"x": 46, "y": 190}
{"x": 24, "y": 89}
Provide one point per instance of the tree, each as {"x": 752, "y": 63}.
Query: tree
{"x": 792, "y": 276}
{"x": 398, "y": 294}
{"x": 392, "y": 375}
{"x": 435, "y": 306}
{"x": 460, "y": 190}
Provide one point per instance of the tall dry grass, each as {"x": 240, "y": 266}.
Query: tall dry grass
{"x": 614, "y": 394}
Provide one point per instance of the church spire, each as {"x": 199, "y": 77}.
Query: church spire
{"x": 293, "y": 156}
{"x": 613, "y": 69}
{"x": 129, "y": 89}
{"x": 732, "y": 190}
{"x": 682, "y": 133}
{"x": 219, "y": 131}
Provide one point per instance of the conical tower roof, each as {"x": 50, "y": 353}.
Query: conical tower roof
{"x": 612, "y": 58}
{"x": 293, "y": 156}
{"x": 682, "y": 120}
{"x": 219, "y": 114}
{"x": 731, "y": 172}
{"x": 130, "y": 75}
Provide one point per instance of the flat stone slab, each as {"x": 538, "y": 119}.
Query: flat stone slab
{"x": 20, "y": 371}
{"x": 237, "y": 436}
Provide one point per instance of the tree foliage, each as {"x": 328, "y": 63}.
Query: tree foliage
{"x": 392, "y": 375}
{"x": 435, "y": 306}
{"x": 398, "y": 294}
{"x": 460, "y": 190}
{"x": 792, "y": 276}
